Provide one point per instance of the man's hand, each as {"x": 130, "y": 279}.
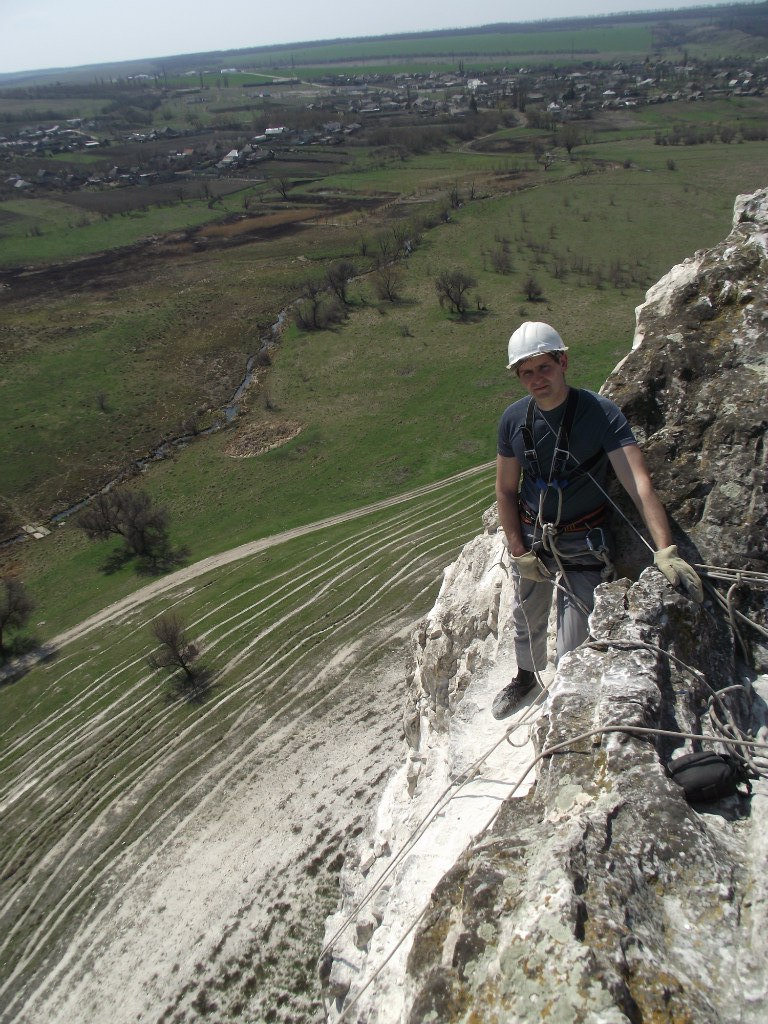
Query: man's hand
{"x": 531, "y": 568}
{"x": 679, "y": 572}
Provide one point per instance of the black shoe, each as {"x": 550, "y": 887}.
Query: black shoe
{"x": 506, "y": 700}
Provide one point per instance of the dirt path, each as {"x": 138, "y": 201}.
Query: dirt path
{"x": 193, "y": 572}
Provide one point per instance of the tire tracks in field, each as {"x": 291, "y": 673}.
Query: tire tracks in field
{"x": 193, "y": 572}
{"x": 129, "y": 604}
{"x": 52, "y": 899}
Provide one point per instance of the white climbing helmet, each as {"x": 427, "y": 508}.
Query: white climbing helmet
{"x": 533, "y": 338}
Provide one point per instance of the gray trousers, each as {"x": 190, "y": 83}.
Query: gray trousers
{"x": 532, "y": 603}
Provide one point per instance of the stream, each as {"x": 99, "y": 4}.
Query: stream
{"x": 225, "y": 416}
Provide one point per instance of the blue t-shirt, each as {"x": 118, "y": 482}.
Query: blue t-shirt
{"x": 598, "y": 426}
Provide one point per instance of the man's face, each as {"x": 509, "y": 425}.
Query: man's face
{"x": 544, "y": 378}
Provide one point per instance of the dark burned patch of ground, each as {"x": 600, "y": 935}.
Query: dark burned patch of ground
{"x": 138, "y": 261}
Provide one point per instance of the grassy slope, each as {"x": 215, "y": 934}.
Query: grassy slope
{"x": 400, "y": 395}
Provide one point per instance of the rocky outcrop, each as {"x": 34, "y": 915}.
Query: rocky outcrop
{"x": 600, "y": 894}
{"x": 603, "y": 895}
{"x": 694, "y": 388}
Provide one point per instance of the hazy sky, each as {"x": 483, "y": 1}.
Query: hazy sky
{"x": 38, "y": 34}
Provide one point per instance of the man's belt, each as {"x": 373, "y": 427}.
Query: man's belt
{"x": 586, "y": 522}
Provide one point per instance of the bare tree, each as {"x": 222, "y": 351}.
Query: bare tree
{"x": 338, "y": 276}
{"x": 452, "y": 287}
{"x": 133, "y": 516}
{"x": 501, "y": 260}
{"x": 317, "y": 308}
{"x": 570, "y": 137}
{"x": 533, "y": 290}
{"x": 454, "y": 196}
{"x": 177, "y": 653}
{"x": 388, "y": 282}
{"x": 15, "y": 607}
{"x": 404, "y": 238}
{"x": 385, "y": 244}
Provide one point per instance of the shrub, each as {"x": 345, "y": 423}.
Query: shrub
{"x": 533, "y": 290}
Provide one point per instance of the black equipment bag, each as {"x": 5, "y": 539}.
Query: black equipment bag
{"x": 707, "y": 775}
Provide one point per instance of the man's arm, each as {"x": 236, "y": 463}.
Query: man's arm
{"x": 507, "y": 485}
{"x": 632, "y": 472}
{"x": 629, "y": 465}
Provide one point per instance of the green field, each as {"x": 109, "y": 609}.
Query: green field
{"x": 50, "y": 231}
{"x": 585, "y": 41}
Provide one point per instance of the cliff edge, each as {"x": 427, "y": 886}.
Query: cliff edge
{"x": 549, "y": 868}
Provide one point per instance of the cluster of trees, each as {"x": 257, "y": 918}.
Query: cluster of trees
{"x": 325, "y": 301}
{"x": 417, "y": 139}
{"x": 691, "y": 135}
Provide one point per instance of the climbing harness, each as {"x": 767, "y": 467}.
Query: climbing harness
{"x": 585, "y": 522}
{"x": 559, "y": 475}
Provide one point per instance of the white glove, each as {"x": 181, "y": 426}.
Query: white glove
{"x": 679, "y": 572}
{"x": 530, "y": 567}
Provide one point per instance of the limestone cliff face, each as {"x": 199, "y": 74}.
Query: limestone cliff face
{"x": 599, "y": 895}
{"x": 694, "y": 388}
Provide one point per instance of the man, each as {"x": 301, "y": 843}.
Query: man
{"x": 554, "y": 448}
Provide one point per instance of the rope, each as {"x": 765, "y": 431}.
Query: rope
{"x": 729, "y": 600}
{"x": 725, "y": 727}
{"x": 433, "y": 812}
{"x": 723, "y": 572}
{"x": 549, "y": 540}
{"x": 729, "y": 733}
{"x": 728, "y": 605}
